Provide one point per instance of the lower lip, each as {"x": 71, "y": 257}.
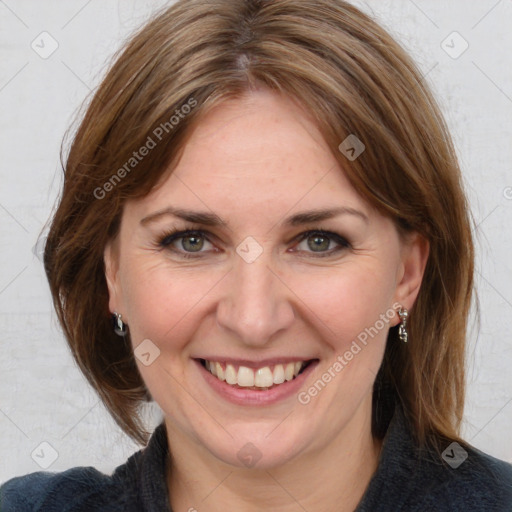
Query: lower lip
{"x": 241, "y": 396}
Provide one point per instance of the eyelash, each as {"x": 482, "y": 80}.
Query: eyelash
{"x": 165, "y": 240}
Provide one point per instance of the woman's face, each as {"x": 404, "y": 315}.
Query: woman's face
{"x": 254, "y": 290}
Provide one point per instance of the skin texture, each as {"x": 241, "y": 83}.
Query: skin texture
{"x": 254, "y": 161}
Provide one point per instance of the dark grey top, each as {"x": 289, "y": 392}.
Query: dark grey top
{"x": 405, "y": 480}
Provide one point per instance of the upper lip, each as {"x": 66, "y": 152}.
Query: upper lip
{"x": 256, "y": 364}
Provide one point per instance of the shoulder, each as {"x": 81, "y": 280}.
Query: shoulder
{"x": 77, "y": 489}
{"x": 468, "y": 479}
{"x": 137, "y": 484}
{"x": 462, "y": 479}
{"x": 44, "y": 490}
{"x": 452, "y": 478}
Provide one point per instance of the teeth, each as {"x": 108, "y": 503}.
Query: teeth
{"x": 263, "y": 378}
{"x": 248, "y": 377}
{"x": 245, "y": 377}
{"x": 219, "y": 372}
{"x": 230, "y": 374}
{"x": 278, "y": 374}
{"x": 288, "y": 371}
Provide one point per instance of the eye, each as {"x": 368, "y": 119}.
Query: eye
{"x": 319, "y": 241}
{"x": 192, "y": 241}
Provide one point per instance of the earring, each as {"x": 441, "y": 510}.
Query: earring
{"x": 119, "y": 326}
{"x": 402, "y": 329}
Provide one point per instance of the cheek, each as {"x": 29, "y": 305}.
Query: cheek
{"x": 348, "y": 302}
{"x": 161, "y": 303}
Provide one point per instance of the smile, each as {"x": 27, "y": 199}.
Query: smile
{"x": 263, "y": 378}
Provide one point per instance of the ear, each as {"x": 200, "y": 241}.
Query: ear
{"x": 414, "y": 255}
{"x": 111, "y": 261}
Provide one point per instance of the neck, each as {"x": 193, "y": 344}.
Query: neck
{"x": 342, "y": 470}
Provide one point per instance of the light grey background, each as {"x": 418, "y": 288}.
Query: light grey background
{"x": 43, "y": 397}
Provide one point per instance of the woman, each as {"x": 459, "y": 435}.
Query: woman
{"x": 263, "y": 229}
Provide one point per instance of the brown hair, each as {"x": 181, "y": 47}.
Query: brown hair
{"x": 350, "y": 74}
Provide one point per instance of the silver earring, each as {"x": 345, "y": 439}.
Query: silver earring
{"x": 402, "y": 329}
{"x": 119, "y": 326}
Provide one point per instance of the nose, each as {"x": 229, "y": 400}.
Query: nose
{"x": 256, "y": 304}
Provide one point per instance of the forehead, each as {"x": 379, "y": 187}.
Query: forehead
{"x": 260, "y": 154}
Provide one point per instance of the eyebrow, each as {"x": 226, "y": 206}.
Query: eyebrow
{"x": 212, "y": 219}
